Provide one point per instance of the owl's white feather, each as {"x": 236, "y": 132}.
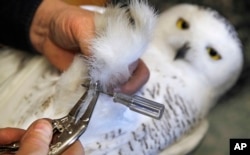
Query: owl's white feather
{"x": 188, "y": 83}
{"x": 122, "y": 35}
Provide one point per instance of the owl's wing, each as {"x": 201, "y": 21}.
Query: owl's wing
{"x": 188, "y": 142}
{"x": 27, "y": 82}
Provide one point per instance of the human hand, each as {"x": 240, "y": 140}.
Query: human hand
{"x": 35, "y": 140}
{"x": 59, "y": 31}
{"x": 140, "y": 75}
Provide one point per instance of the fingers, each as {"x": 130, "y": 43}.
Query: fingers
{"x": 73, "y": 28}
{"x": 139, "y": 77}
{"x": 59, "y": 30}
{"x": 10, "y": 135}
{"x": 58, "y": 57}
{"x": 37, "y": 139}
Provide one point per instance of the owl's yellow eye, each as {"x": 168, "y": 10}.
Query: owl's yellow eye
{"x": 213, "y": 54}
{"x": 182, "y": 24}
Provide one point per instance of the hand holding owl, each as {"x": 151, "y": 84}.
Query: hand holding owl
{"x": 35, "y": 140}
{"x": 60, "y": 31}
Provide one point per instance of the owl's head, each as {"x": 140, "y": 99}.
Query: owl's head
{"x": 199, "y": 39}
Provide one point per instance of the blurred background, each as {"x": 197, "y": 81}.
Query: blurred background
{"x": 230, "y": 118}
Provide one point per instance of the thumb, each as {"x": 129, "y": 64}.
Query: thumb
{"x": 37, "y": 139}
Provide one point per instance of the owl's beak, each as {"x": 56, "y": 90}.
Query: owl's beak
{"x": 181, "y": 52}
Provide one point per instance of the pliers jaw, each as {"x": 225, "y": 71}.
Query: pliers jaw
{"x": 69, "y": 128}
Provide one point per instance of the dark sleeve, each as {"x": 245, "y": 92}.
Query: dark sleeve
{"x": 15, "y": 20}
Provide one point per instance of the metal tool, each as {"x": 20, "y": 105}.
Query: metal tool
{"x": 136, "y": 103}
{"x": 139, "y": 104}
{"x": 69, "y": 128}
{"x": 10, "y": 149}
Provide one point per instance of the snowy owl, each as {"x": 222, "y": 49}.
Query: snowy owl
{"x": 194, "y": 57}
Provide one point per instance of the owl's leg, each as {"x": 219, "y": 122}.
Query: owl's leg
{"x": 122, "y": 34}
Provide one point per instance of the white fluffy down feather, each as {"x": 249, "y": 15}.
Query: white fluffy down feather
{"x": 122, "y": 35}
